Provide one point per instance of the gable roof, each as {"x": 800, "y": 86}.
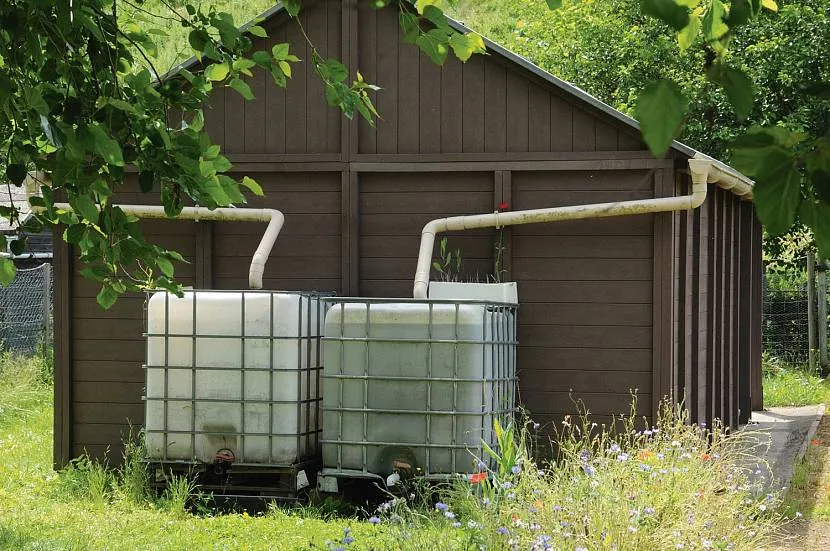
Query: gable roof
{"x": 570, "y": 89}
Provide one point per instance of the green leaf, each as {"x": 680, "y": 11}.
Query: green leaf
{"x": 667, "y": 11}
{"x": 465, "y": 45}
{"x": 16, "y": 173}
{"x": 165, "y": 266}
{"x": 34, "y": 100}
{"x": 242, "y": 87}
{"x": 197, "y": 39}
{"x": 107, "y": 296}
{"x": 817, "y": 217}
{"x": 252, "y": 184}
{"x": 738, "y": 87}
{"x": 422, "y": 5}
{"x": 714, "y": 27}
{"x": 280, "y": 51}
{"x": 777, "y": 190}
{"x": 687, "y": 36}
{"x": 285, "y": 68}
{"x": 105, "y": 146}
{"x": 146, "y": 179}
{"x": 217, "y": 71}
{"x": 292, "y": 7}
{"x": 660, "y": 110}
{"x": 434, "y": 44}
{"x": 554, "y": 4}
{"x": 85, "y": 206}
{"x": 258, "y": 31}
{"x": 7, "y": 271}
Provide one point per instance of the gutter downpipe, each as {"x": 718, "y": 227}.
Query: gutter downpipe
{"x": 698, "y": 167}
{"x": 273, "y": 217}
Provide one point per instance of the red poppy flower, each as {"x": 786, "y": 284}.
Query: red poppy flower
{"x": 477, "y": 477}
{"x": 705, "y": 457}
{"x": 503, "y": 206}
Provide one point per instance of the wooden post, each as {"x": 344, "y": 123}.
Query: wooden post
{"x": 46, "y": 307}
{"x": 821, "y": 317}
{"x": 811, "y": 312}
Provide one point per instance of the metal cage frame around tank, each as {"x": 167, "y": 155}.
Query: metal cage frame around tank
{"x": 503, "y": 380}
{"x": 312, "y": 435}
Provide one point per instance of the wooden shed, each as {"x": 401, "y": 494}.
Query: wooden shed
{"x": 666, "y": 304}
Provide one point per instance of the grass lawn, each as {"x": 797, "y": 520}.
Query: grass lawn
{"x": 810, "y": 492}
{"x": 793, "y": 387}
{"x": 676, "y": 487}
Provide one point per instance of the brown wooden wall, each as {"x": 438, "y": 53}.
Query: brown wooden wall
{"x": 717, "y": 315}
{"x": 607, "y": 306}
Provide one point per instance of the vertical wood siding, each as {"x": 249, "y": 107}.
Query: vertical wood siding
{"x": 585, "y": 287}
{"x": 483, "y": 105}
{"x": 295, "y": 119}
{"x": 718, "y": 359}
{"x": 393, "y": 210}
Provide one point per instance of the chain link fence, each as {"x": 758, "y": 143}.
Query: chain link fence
{"x": 26, "y": 311}
{"x": 786, "y": 315}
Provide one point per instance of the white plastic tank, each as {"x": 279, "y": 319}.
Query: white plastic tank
{"x": 232, "y": 372}
{"x": 414, "y": 384}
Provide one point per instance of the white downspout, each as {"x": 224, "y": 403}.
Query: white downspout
{"x": 273, "y": 217}
{"x": 699, "y": 169}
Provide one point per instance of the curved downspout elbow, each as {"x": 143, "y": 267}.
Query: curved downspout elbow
{"x": 699, "y": 170}
{"x": 275, "y": 222}
{"x": 425, "y": 255}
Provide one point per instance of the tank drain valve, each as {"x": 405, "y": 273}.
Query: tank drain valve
{"x": 224, "y": 459}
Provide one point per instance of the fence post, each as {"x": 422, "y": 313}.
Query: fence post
{"x": 46, "y": 305}
{"x": 821, "y": 298}
{"x": 811, "y": 312}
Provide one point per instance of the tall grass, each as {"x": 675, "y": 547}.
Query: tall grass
{"x": 672, "y": 486}
{"x": 786, "y": 384}
{"x": 629, "y": 487}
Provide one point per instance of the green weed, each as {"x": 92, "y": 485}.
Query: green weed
{"x": 792, "y": 386}
{"x": 132, "y": 483}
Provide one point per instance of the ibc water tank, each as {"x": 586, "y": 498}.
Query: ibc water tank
{"x": 414, "y": 384}
{"x": 235, "y": 374}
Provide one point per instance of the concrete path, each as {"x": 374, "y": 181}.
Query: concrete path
{"x": 782, "y": 435}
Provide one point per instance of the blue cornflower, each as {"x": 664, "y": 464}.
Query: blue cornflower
{"x": 614, "y": 448}
{"x": 442, "y": 506}
{"x": 503, "y": 531}
{"x": 456, "y": 525}
{"x": 649, "y": 510}
{"x": 449, "y": 514}
{"x": 622, "y": 457}
{"x": 481, "y": 465}
{"x": 374, "y": 520}
{"x": 516, "y": 469}
{"x": 348, "y": 540}
{"x": 589, "y": 470}
{"x": 507, "y": 485}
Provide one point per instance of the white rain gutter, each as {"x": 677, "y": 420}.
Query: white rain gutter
{"x": 703, "y": 171}
{"x": 273, "y": 217}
